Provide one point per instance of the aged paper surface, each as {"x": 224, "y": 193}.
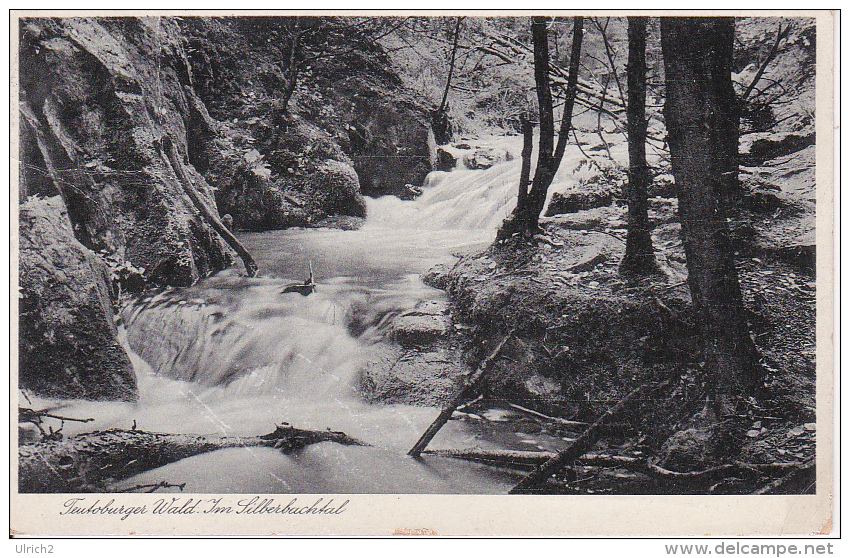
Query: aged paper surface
{"x": 246, "y": 513}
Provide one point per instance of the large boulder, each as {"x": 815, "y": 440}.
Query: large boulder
{"x": 422, "y": 377}
{"x": 485, "y": 157}
{"x": 390, "y": 142}
{"x": 254, "y": 202}
{"x": 580, "y": 197}
{"x": 68, "y": 341}
{"x": 335, "y": 190}
{"x": 421, "y": 326}
{"x": 446, "y": 162}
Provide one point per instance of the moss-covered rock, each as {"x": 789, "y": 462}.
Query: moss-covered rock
{"x": 348, "y": 106}
{"x": 68, "y": 340}
{"x": 335, "y": 189}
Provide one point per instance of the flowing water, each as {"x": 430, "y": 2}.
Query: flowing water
{"x": 235, "y": 356}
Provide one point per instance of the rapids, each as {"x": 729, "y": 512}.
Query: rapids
{"x": 235, "y": 356}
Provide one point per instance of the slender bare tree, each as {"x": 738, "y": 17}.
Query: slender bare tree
{"x": 639, "y": 258}
{"x": 527, "y": 214}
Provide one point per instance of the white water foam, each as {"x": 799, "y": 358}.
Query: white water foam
{"x": 234, "y": 356}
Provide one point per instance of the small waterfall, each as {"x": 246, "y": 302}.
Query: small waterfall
{"x": 478, "y": 200}
{"x": 265, "y": 343}
{"x": 235, "y": 356}
{"x": 249, "y": 337}
{"x": 461, "y": 199}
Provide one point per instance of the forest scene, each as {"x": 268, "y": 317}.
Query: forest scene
{"x": 417, "y": 254}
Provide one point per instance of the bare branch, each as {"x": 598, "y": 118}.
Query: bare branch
{"x": 31, "y": 415}
{"x": 609, "y": 52}
{"x": 153, "y": 487}
{"x": 780, "y": 34}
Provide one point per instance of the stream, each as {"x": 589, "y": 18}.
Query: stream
{"x": 234, "y": 356}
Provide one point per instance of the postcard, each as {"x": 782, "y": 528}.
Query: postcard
{"x": 422, "y": 273}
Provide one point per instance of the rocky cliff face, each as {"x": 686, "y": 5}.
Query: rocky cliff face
{"x": 95, "y": 97}
{"x": 347, "y": 107}
{"x": 97, "y": 94}
{"x": 68, "y": 345}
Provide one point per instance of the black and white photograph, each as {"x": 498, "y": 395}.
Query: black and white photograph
{"x": 265, "y": 263}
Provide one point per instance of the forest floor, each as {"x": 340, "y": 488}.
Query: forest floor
{"x": 585, "y": 335}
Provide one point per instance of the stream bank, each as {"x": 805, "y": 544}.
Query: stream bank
{"x": 585, "y": 335}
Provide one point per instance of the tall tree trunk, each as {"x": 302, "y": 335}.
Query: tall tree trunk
{"x": 543, "y": 174}
{"x": 639, "y": 256}
{"x": 728, "y": 120}
{"x": 292, "y": 69}
{"x": 451, "y": 64}
{"x": 549, "y": 157}
{"x": 696, "y": 58}
{"x": 515, "y": 223}
{"x": 572, "y": 90}
{"x": 530, "y": 202}
{"x": 525, "y": 171}
{"x": 439, "y": 119}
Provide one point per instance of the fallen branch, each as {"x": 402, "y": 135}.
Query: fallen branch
{"x": 154, "y": 487}
{"x": 583, "y": 443}
{"x": 780, "y": 34}
{"x": 33, "y": 416}
{"x": 807, "y": 468}
{"x": 36, "y": 418}
{"x": 538, "y": 414}
{"x": 211, "y": 218}
{"x": 637, "y": 464}
{"x": 510, "y": 459}
{"x": 710, "y": 474}
{"x": 90, "y": 462}
{"x": 462, "y": 395}
{"x": 292, "y": 200}
{"x": 469, "y": 403}
{"x": 548, "y": 240}
{"x": 526, "y": 460}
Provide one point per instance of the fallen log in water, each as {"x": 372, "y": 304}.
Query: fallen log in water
{"x": 525, "y": 460}
{"x": 508, "y": 459}
{"x": 585, "y": 442}
{"x": 90, "y": 462}
{"x": 462, "y": 395}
